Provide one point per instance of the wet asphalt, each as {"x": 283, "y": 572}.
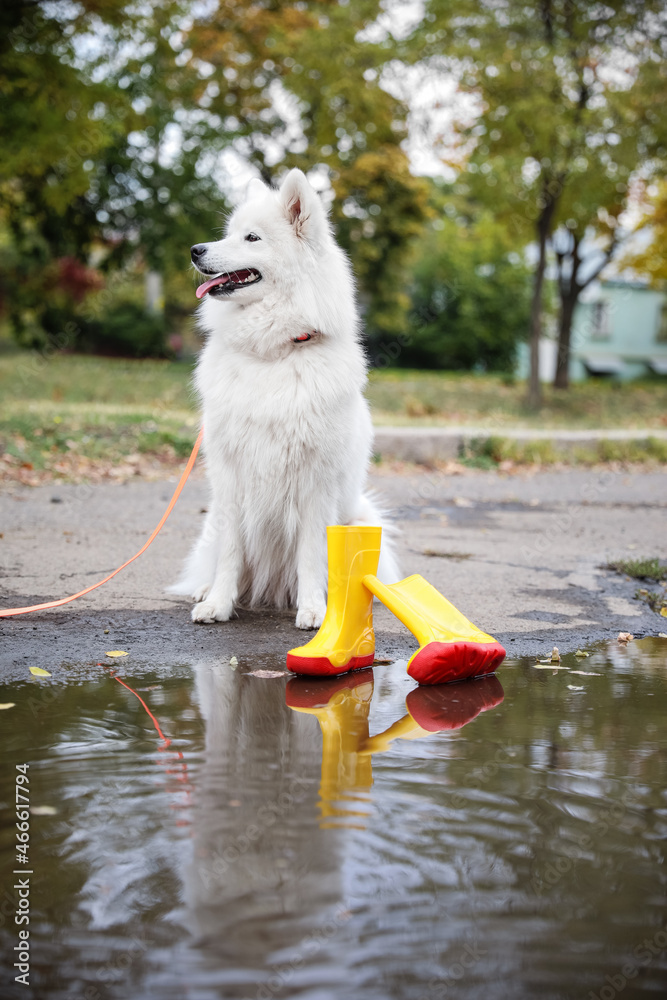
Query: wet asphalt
{"x": 521, "y": 554}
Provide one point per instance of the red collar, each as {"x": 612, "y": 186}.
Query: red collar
{"x": 303, "y": 338}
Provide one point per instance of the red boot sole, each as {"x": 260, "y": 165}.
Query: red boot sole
{"x": 442, "y": 662}
{"x": 320, "y": 666}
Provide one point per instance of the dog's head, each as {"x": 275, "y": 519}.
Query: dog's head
{"x": 271, "y": 237}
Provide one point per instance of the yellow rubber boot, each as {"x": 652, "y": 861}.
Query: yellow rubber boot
{"x": 346, "y": 640}
{"x": 341, "y": 706}
{"x": 451, "y": 648}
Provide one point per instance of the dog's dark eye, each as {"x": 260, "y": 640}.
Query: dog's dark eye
{"x": 252, "y": 238}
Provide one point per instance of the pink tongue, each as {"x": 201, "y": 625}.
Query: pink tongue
{"x": 211, "y": 283}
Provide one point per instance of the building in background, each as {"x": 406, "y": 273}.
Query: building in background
{"x": 619, "y": 331}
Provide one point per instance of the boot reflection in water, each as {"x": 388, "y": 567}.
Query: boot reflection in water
{"x": 341, "y": 706}
{"x": 451, "y": 648}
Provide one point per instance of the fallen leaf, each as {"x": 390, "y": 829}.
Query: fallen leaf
{"x": 580, "y": 652}
{"x": 43, "y": 810}
{"x": 663, "y": 612}
{"x": 625, "y": 637}
{"x": 116, "y": 652}
{"x": 38, "y": 672}
{"x": 572, "y": 687}
{"x": 7, "y": 704}
{"x": 267, "y": 673}
{"x": 555, "y": 655}
{"x": 662, "y": 635}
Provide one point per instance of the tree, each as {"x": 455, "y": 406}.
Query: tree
{"x": 145, "y": 104}
{"x": 470, "y": 295}
{"x": 560, "y": 85}
{"x": 299, "y": 83}
{"x": 574, "y": 274}
{"x": 51, "y": 135}
{"x": 651, "y": 258}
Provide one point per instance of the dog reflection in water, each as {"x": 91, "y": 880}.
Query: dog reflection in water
{"x": 341, "y": 706}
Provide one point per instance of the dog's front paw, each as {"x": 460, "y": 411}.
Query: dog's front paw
{"x": 207, "y": 612}
{"x": 310, "y": 617}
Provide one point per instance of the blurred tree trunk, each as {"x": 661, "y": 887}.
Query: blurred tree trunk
{"x": 570, "y": 287}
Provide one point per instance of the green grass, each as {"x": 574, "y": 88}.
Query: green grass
{"x": 656, "y": 601}
{"x": 92, "y": 409}
{"x": 493, "y": 402}
{"x": 649, "y": 568}
{"x": 81, "y": 379}
{"x": 489, "y": 452}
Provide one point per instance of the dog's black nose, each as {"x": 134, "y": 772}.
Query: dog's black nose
{"x": 197, "y": 251}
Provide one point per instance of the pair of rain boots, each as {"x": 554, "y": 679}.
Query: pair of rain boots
{"x": 451, "y": 648}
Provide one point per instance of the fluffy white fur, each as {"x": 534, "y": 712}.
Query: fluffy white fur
{"x": 287, "y": 431}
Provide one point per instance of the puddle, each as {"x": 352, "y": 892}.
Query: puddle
{"x": 214, "y": 834}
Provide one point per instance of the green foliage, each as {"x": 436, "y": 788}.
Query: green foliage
{"x": 117, "y": 116}
{"x": 572, "y": 101}
{"x": 561, "y": 122}
{"x": 651, "y": 258}
{"x": 348, "y": 128}
{"x": 128, "y": 330}
{"x": 469, "y": 298}
{"x": 648, "y": 568}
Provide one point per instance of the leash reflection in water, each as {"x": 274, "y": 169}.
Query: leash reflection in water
{"x": 341, "y": 705}
{"x": 176, "y": 767}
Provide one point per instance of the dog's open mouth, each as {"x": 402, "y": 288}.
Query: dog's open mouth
{"x": 228, "y": 281}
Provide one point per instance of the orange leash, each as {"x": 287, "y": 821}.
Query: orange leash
{"x": 66, "y": 600}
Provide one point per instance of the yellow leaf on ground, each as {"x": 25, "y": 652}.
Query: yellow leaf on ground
{"x": 117, "y": 652}
{"x": 663, "y": 612}
{"x": 7, "y": 704}
{"x": 38, "y": 672}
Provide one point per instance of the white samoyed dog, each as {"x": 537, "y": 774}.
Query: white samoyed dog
{"x": 287, "y": 431}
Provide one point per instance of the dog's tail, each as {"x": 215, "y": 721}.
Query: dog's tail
{"x": 370, "y": 511}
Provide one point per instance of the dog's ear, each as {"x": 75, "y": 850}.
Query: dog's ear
{"x": 255, "y": 189}
{"x": 300, "y": 203}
